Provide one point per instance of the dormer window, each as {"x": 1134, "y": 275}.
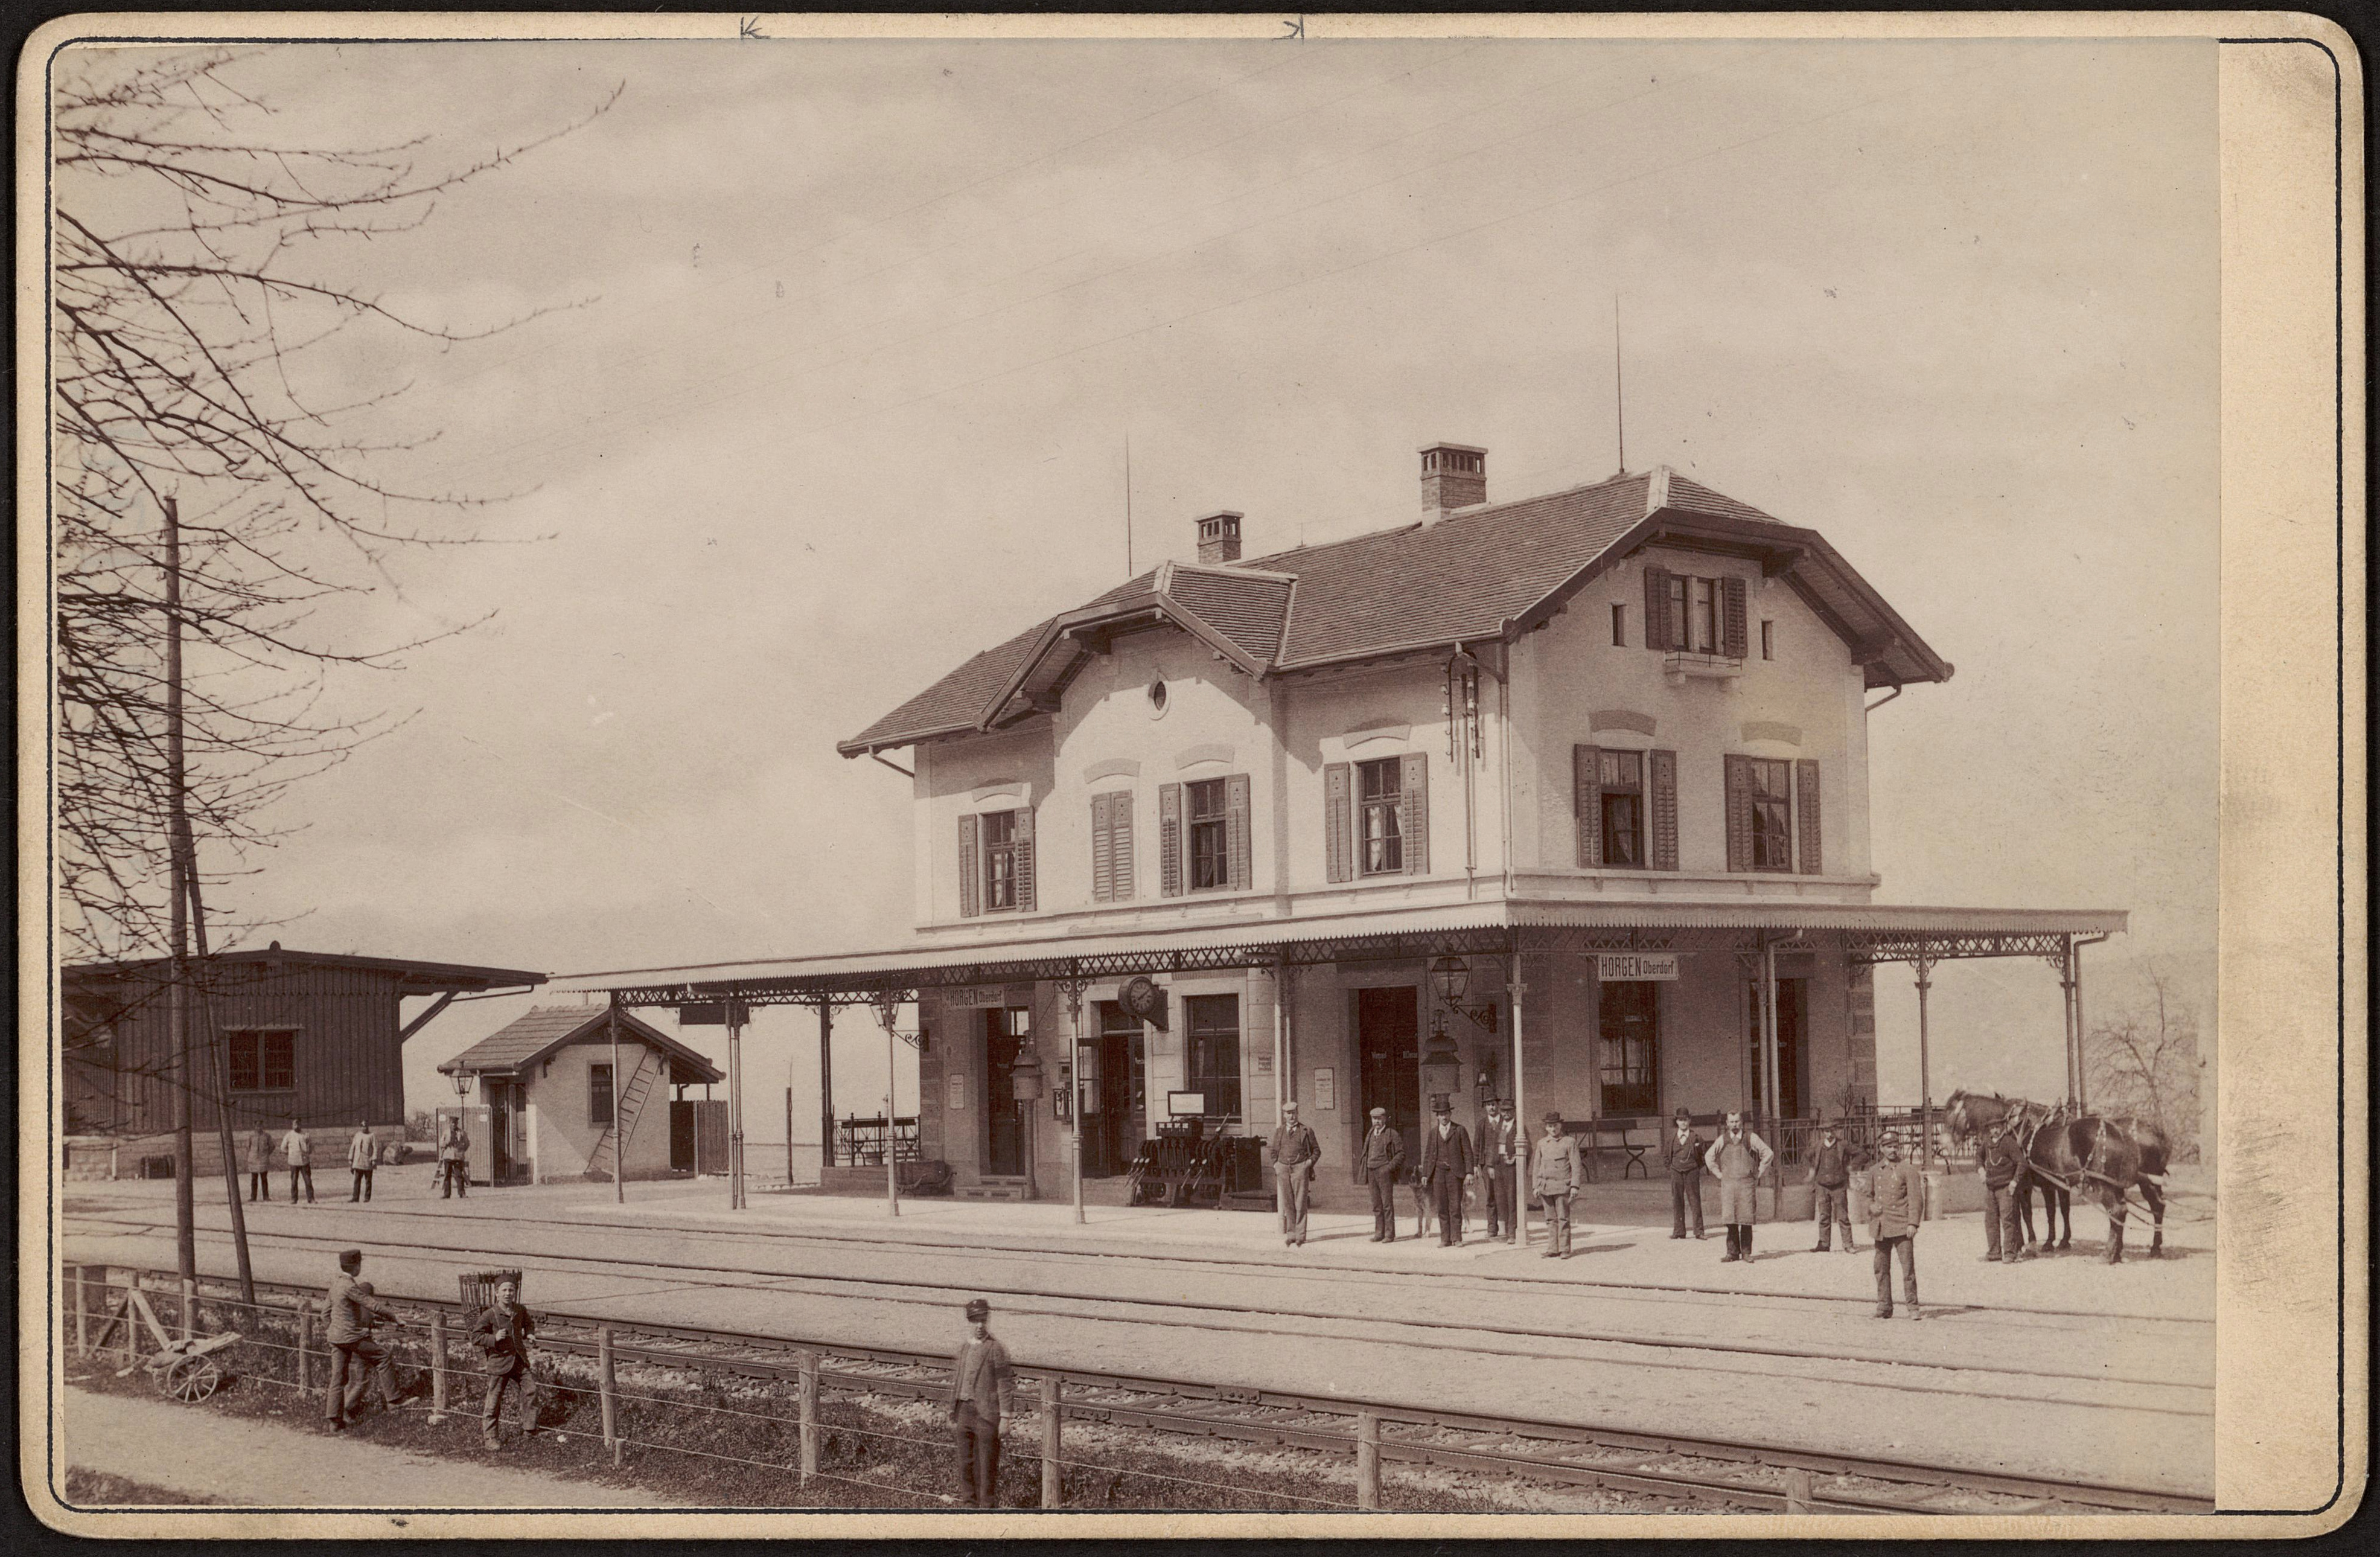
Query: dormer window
{"x": 1691, "y": 615}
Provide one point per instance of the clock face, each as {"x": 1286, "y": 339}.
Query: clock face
{"x": 1140, "y": 996}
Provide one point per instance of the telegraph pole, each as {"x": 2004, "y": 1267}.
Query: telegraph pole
{"x": 177, "y": 1004}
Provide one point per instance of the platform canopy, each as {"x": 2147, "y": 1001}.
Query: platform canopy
{"x": 1868, "y": 933}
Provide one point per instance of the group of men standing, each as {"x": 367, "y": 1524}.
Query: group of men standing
{"x": 294, "y": 1151}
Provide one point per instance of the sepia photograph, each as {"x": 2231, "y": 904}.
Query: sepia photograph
{"x": 1439, "y": 775}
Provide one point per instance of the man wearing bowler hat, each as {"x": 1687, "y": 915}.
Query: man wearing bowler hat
{"x": 983, "y": 1387}
{"x": 1684, "y": 1157}
{"x": 1446, "y": 1164}
{"x": 1384, "y": 1159}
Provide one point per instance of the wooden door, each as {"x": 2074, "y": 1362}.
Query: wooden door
{"x": 1004, "y": 1034}
{"x": 1387, "y": 1042}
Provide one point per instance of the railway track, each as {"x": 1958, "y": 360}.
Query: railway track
{"x": 1710, "y": 1472}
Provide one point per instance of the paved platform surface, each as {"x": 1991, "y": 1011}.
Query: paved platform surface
{"x": 267, "y": 1465}
{"x": 2059, "y": 1368}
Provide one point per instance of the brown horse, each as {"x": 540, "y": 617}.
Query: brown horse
{"x": 2103, "y": 1157}
{"x": 1972, "y": 1114}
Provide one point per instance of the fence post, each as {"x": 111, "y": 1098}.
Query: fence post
{"x": 189, "y": 1307}
{"x": 82, "y": 1309}
{"x": 809, "y": 1391}
{"x": 131, "y": 1318}
{"x": 1797, "y": 1490}
{"x": 1368, "y": 1460}
{"x": 606, "y": 1382}
{"x": 305, "y": 1344}
{"x": 1053, "y": 1406}
{"x": 437, "y": 1365}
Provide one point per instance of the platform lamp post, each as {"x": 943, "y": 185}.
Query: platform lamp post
{"x": 887, "y": 1010}
{"x": 1072, "y": 989}
{"x": 462, "y": 1089}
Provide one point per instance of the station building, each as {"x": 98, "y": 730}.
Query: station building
{"x": 1562, "y": 799}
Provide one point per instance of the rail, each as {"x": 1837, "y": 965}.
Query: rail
{"x": 1712, "y": 1472}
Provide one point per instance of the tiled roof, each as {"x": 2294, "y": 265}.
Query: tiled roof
{"x": 542, "y": 1027}
{"x": 1464, "y": 578}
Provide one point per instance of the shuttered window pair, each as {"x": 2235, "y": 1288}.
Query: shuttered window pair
{"x": 262, "y": 1060}
{"x": 1773, "y": 810}
{"x": 1202, "y": 836}
{"x": 1626, "y": 807}
{"x": 1376, "y": 817}
{"x": 996, "y": 862}
{"x": 1696, "y": 615}
{"x": 1112, "y": 855}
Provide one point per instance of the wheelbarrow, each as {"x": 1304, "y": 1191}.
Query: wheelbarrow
{"x": 183, "y": 1368}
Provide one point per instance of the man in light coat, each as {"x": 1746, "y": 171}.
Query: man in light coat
{"x": 1895, "y": 1205}
{"x": 256, "y": 1161}
{"x": 1446, "y": 1164}
{"x": 1739, "y": 1159}
{"x": 362, "y": 1151}
{"x": 983, "y": 1389}
{"x": 298, "y": 1155}
{"x": 1295, "y": 1155}
{"x": 1384, "y": 1159}
{"x": 453, "y": 1163}
{"x": 1555, "y": 1174}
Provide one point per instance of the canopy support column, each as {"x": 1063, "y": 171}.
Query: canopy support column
{"x": 1924, "y": 964}
{"x": 826, "y": 1084}
{"x": 1070, "y": 990}
{"x": 887, "y": 1012}
{"x": 2074, "y": 1038}
{"x": 612, "y": 1030}
{"x": 1520, "y": 1104}
{"x": 1772, "y": 1097}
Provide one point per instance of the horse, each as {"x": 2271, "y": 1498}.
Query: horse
{"x": 1971, "y": 1114}
{"x": 2104, "y": 1157}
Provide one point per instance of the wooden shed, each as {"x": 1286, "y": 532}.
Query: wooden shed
{"x": 314, "y": 1035}
{"x": 550, "y": 1107}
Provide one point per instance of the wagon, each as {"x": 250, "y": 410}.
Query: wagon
{"x": 184, "y": 1369}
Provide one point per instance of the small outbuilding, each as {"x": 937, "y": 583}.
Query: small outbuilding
{"x": 541, "y": 1100}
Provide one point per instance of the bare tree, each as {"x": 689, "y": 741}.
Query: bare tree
{"x": 2144, "y": 1058}
{"x": 205, "y": 335}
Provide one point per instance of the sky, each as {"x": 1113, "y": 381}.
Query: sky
{"x": 849, "y": 340}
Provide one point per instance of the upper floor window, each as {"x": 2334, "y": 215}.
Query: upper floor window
{"x": 1381, "y": 797}
{"x": 1210, "y": 836}
{"x": 1693, "y": 615}
{"x": 1203, "y": 836}
{"x": 1111, "y": 862}
{"x": 1773, "y": 815}
{"x": 1620, "y": 627}
{"x": 996, "y": 862}
{"x": 1767, "y": 638}
{"x": 1622, "y": 807}
{"x": 1627, "y": 808}
{"x": 262, "y": 1060}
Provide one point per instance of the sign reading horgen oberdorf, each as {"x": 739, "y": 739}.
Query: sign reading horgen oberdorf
{"x": 1616, "y": 967}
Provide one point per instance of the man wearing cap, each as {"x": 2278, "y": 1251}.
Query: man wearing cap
{"x": 1446, "y": 1161}
{"x": 1895, "y": 1205}
{"x": 1830, "y": 1177}
{"x": 1555, "y": 1174}
{"x": 503, "y": 1331}
{"x": 983, "y": 1387}
{"x": 356, "y": 1358}
{"x": 1684, "y": 1157}
{"x": 1384, "y": 1159}
{"x": 1741, "y": 1159}
{"x": 1501, "y": 1167}
{"x": 2003, "y": 1165}
{"x": 1296, "y": 1153}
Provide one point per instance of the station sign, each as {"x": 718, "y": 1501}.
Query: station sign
{"x": 1623, "y": 967}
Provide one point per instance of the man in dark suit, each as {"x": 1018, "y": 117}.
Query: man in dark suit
{"x": 1500, "y": 1166}
{"x": 1684, "y": 1157}
{"x": 1384, "y": 1159}
{"x": 1446, "y": 1163}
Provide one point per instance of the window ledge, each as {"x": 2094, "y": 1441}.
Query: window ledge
{"x": 1679, "y": 664}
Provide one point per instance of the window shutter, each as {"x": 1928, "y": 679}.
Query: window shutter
{"x": 1169, "y": 838}
{"x": 1025, "y": 859}
{"x": 1412, "y": 812}
{"x": 970, "y": 868}
{"x": 1806, "y": 784}
{"x": 1739, "y": 814}
{"x": 1103, "y": 850}
{"x": 1662, "y": 778}
{"x": 1119, "y": 879}
{"x": 1586, "y": 801}
{"x": 1656, "y": 609}
{"x": 1235, "y": 830}
{"x": 1734, "y": 645}
{"x": 1337, "y": 824}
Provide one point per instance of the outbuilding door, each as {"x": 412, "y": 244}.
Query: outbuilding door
{"x": 1388, "y": 1048}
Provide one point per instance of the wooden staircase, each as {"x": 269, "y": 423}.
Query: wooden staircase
{"x": 625, "y": 1108}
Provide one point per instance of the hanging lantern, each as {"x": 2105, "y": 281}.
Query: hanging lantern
{"x": 1442, "y": 1065}
{"x": 1450, "y": 977}
{"x": 1024, "y": 1076}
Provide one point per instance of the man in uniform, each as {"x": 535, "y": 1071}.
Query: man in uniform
{"x": 298, "y": 1152}
{"x": 1501, "y": 1167}
{"x": 1555, "y": 1174}
{"x": 1740, "y": 1158}
{"x": 356, "y": 1358}
{"x": 2003, "y": 1163}
{"x": 1894, "y": 1206}
{"x": 1446, "y": 1162}
{"x": 1384, "y": 1159}
{"x": 1830, "y": 1178}
{"x": 1296, "y": 1153}
{"x": 1684, "y": 1157}
{"x": 502, "y": 1332}
{"x": 983, "y": 1387}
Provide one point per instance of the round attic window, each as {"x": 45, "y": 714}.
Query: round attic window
{"x": 1157, "y": 698}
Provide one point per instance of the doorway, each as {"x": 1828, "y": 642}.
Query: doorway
{"x": 1628, "y": 1029}
{"x": 1388, "y": 1050}
{"x": 1792, "y": 1064}
{"x": 1115, "y": 1117}
{"x": 1005, "y": 1033}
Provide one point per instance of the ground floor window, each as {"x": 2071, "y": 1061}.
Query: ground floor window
{"x": 1213, "y": 1064}
{"x": 262, "y": 1060}
{"x": 599, "y": 1094}
{"x": 1630, "y": 1042}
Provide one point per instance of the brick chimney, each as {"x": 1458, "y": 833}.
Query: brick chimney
{"x": 1219, "y": 539}
{"x": 1452, "y": 475}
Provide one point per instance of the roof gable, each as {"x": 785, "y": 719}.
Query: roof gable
{"x": 540, "y": 1030}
